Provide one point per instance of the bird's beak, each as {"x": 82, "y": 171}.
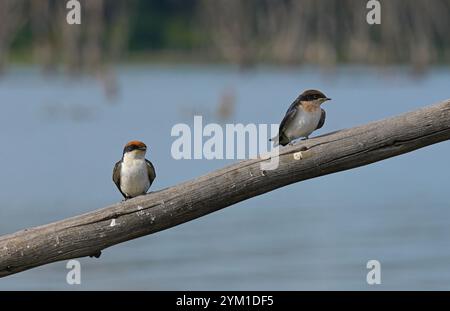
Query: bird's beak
{"x": 327, "y": 99}
{"x": 143, "y": 149}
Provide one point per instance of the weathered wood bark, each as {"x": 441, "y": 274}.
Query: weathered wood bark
{"x": 88, "y": 234}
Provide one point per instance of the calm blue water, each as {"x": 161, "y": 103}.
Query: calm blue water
{"x": 60, "y": 138}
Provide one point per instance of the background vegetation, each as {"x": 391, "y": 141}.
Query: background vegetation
{"x": 240, "y": 32}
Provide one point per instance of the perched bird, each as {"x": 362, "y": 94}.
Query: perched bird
{"x": 303, "y": 117}
{"x": 133, "y": 174}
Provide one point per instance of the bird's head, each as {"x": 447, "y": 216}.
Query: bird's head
{"x": 313, "y": 96}
{"x": 135, "y": 149}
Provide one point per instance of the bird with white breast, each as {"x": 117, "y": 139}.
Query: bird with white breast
{"x": 133, "y": 174}
{"x": 303, "y": 117}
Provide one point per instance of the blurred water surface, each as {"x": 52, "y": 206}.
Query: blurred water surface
{"x": 60, "y": 138}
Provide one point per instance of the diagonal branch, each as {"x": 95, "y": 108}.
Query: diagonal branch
{"x": 88, "y": 234}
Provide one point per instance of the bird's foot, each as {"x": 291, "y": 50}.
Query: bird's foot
{"x": 96, "y": 254}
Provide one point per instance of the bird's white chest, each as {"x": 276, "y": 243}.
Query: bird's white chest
{"x": 134, "y": 179}
{"x": 304, "y": 123}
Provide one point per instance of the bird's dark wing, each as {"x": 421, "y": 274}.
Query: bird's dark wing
{"x": 150, "y": 171}
{"x": 322, "y": 120}
{"x": 290, "y": 115}
{"x": 294, "y": 105}
{"x": 116, "y": 176}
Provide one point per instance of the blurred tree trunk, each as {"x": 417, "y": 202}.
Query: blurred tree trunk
{"x": 11, "y": 19}
{"x": 328, "y": 32}
{"x": 40, "y": 20}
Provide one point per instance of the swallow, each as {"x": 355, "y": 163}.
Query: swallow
{"x": 133, "y": 174}
{"x": 303, "y": 117}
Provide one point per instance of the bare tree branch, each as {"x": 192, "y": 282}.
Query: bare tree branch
{"x": 90, "y": 233}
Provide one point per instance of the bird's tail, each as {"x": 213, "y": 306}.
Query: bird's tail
{"x": 275, "y": 140}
